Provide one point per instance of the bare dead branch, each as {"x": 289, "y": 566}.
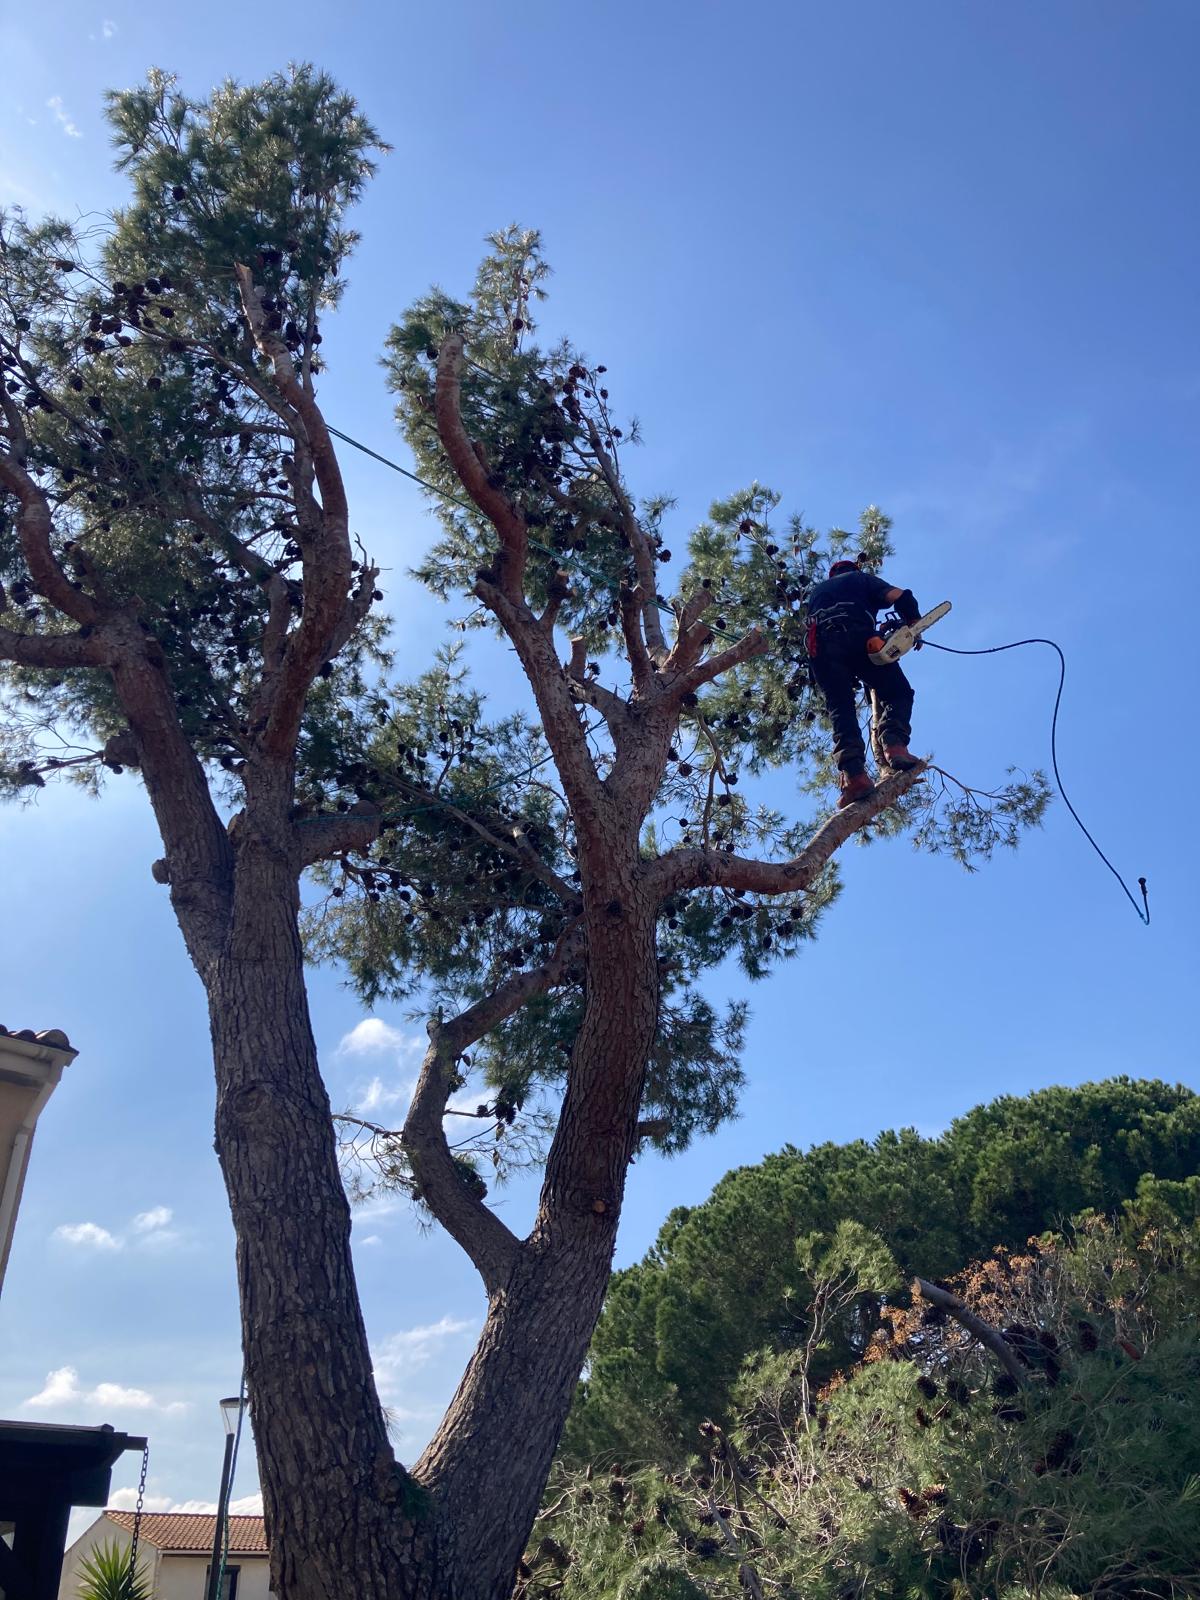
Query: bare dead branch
{"x": 988, "y": 1336}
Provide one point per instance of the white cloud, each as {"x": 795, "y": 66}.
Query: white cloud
{"x": 55, "y": 104}
{"x": 249, "y": 1505}
{"x": 373, "y": 1036}
{"x": 63, "y": 1388}
{"x": 90, "y": 1234}
{"x": 149, "y": 1230}
{"x": 406, "y": 1352}
{"x": 108, "y": 29}
{"x": 372, "y": 1238}
{"x": 126, "y": 1500}
{"x": 156, "y": 1217}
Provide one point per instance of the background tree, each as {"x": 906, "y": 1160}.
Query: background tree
{"x": 182, "y": 593}
{"x": 724, "y": 1280}
{"x": 927, "y": 1466}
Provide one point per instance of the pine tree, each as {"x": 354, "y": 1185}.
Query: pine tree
{"x": 182, "y": 594}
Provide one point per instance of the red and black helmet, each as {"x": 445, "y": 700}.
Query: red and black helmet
{"x": 839, "y": 567}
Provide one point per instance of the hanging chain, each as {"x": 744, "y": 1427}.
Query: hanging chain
{"x": 137, "y": 1517}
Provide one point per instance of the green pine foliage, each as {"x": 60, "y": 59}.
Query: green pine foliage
{"x": 920, "y": 1469}
{"x": 724, "y": 1279}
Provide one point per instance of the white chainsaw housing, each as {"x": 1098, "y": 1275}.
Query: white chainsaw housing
{"x": 900, "y": 642}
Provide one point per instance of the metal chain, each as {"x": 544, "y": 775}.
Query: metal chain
{"x": 137, "y": 1517}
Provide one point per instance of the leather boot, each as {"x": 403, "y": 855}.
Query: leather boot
{"x": 854, "y": 787}
{"x": 900, "y": 759}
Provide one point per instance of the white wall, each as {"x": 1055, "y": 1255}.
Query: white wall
{"x": 173, "y": 1577}
{"x": 182, "y": 1577}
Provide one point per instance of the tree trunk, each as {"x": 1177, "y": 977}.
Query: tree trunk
{"x": 340, "y": 1515}
{"x": 487, "y": 1465}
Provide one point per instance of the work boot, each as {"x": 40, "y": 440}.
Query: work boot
{"x": 854, "y": 786}
{"x": 899, "y": 758}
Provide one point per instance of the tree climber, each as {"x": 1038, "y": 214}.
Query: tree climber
{"x": 841, "y": 623}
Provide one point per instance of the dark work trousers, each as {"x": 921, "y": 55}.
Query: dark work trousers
{"x": 839, "y": 666}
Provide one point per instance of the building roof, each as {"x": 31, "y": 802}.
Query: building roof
{"x": 185, "y": 1533}
{"x": 54, "y": 1037}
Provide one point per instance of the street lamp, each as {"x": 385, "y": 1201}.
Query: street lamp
{"x": 231, "y": 1412}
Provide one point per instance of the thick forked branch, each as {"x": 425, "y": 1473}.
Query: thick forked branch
{"x": 34, "y": 524}
{"x": 472, "y": 474}
{"x": 713, "y": 869}
{"x": 991, "y": 1337}
{"x": 325, "y": 552}
{"x": 491, "y": 1246}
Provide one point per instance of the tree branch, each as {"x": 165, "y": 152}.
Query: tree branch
{"x": 694, "y": 677}
{"x": 34, "y": 525}
{"x": 322, "y": 837}
{"x": 560, "y": 720}
{"x": 975, "y": 1326}
{"x": 52, "y": 650}
{"x": 701, "y": 868}
{"x": 472, "y": 473}
{"x": 610, "y": 705}
{"x": 491, "y": 1246}
{"x": 325, "y": 553}
{"x": 643, "y": 555}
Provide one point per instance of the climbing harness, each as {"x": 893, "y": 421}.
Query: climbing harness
{"x": 997, "y": 649}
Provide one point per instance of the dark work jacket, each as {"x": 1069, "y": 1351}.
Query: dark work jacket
{"x": 848, "y": 603}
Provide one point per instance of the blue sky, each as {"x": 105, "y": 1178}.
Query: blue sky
{"x": 940, "y": 257}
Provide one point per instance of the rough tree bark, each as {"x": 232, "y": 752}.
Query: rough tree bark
{"x": 343, "y": 1516}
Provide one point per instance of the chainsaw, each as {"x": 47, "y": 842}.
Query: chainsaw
{"x": 896, "y": 638}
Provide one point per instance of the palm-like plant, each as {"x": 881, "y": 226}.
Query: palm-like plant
{"x": 108, "y": 1575}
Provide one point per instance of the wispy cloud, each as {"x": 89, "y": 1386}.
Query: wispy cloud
{"x": 378, "y": 1095}
{"x": 156, "y": 1217}
{"x": 372, "y": 1238}
{"x": 63, "y": 1388}
{"x": 413, "y": 1348}
{"x": 88, "y": 1234}
{"x": 148, "y": 1230}
{"x": 108, "y": 29}
{"x": 61, "y": 116}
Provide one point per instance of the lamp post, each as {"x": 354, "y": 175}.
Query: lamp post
{"x": 231, "y": 1411}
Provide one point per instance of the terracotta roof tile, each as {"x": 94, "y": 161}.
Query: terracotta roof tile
{"x": 190, "y": 1533}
